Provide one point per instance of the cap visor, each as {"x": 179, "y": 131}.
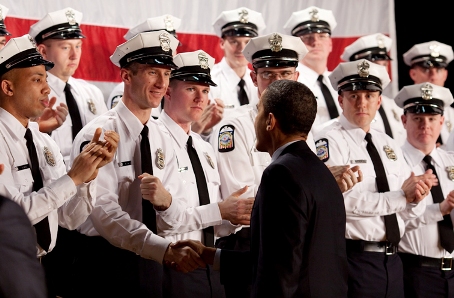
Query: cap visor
{"x": 196, "y": 78}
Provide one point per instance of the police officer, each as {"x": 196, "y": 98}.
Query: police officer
{"x": 375, "y": 48}
{"x": 59, "y": 39}
{"x": 428, "y": 62}
{"x": 185, "y": 101}
{"x": 35, "y": 175}
{"x": 140, "y": 194}
{"x": 389, "y": 193}
{"x": 3, "y": 31}
{"x": 426, "y": 248}
{"x": 165, "y": 22}
{"x": 314, "y": 26}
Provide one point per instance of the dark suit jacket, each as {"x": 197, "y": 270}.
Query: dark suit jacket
{"x": 21, "y": 274}
{"x": 297, "y": 232}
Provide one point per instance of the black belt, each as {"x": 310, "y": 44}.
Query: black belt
{"x": 444, "y": 264}
{"x": 371, "y": 246}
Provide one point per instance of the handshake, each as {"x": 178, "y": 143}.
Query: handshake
{"x": 188, "y": 255}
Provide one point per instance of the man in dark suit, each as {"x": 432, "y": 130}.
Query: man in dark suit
{"x": 298, "y": 220}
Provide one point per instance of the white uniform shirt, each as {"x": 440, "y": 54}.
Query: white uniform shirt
{"x": 242, "y": 164}
{"x": 393, "y": 113}
{"x": 117, "y": 215}
{"x": 116, "y": 95}
{"x": 447, "y": 129}
{"x": 421, "y": 236}
{"x": 309, "y": 78}
{"x": 199, "y": 217}
{"x": 16, "y": 181}
{"x": 87, "y": 96}
{"x": 364, "y": 206}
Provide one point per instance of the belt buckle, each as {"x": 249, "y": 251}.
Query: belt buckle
{"x": 390, "y": 249}
{"x": 446, "y": 264}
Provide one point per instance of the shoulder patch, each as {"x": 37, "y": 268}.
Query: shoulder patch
{"x": 322, "y": 149}
{"x": 82, "y": 146}
{"x": 226, "y": 141}
{"x": 115, "y": 101}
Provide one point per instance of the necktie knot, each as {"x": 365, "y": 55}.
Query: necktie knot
{"x": 368, "y": 138}
{"x": 67, "y": 87}
{"x": 320, "y": 79}
{"x": 189, "y": 142}
{"x": 144, "y": 132}
{"x": 428, "y": 160}
{"x": 241, "y": 83}
{"x": 28, "y": 135}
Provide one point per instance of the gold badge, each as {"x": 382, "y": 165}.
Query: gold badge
{"x": 426, "y": 92}
{"x": 450, "y": 171}
{"x": 71, "y": 17}
{"x": 275, "y": 42}
{"x": 314, "y": 15}
{"x": 210, "y": 161}
{"x": 363, "y": 69}
{"x": 434, "y": 50}
{"x": 91, "y": 106}
{"x": 168, "y": 23}
{"x": 164, "y": 41}
{"x": 160, "y": 159}
{"x": 49, "y": 157}
{"x": 203, "y": 60}
{"x": 32, "y": 41}
{"x": 244, "y": 14}
{"x": 448, "y": 125}
{"x": 390, "y": 153}
{"x": 380, "y": 41}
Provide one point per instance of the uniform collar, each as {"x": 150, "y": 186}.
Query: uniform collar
{"x": 310, "y": 75}
{"x": 414, "y": 156}
{"x": 15, "y": 128}
{"x": 132, "y": 123}
{"x": 356, "y": 133}
{"x": 56, "y": 84}
{"x": 178, "y": 134}
{"x": 232, "y": 78}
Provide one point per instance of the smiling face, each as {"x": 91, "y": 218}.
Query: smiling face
{"x": 25, "y": 92}
{"x": 360, "y": 106}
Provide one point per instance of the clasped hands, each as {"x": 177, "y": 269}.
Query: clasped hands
{"x": 188, "y": 255}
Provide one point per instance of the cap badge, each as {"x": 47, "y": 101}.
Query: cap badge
{"x": 448, "y": 125}
{"x": 314, "y": 15}
{"x": 160, "y": 159}
{"x": 363, "y": 69}
{"x": 275, "y": 42}
{"x": 70, "y": 16}
{"x": 210, "y": 161}
{"x": 380, "y": 41}
{"x": 168, "y": 23}
{"x": 203, "y": 60}
{"x": 164, "y": 41}
{"x": 426, "y": 92}
{"x": 91, "y": 106}
{"x": 49, "y": 157}
{"x": 450, "y": 171}
{"x": 390, "y": 153}
{"x": 244, "y": 15}
{"x": 434, "y": 50}
{"x": 1, "y": 14}
{"x": 32, "y": 41}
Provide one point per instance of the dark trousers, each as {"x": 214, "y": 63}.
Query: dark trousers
{"x": 238, "y": 241}
{"x": 422, "y": 281}
{"x": 374, "y": 274}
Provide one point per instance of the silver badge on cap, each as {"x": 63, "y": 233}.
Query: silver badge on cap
{"x": 244, "y": 15}
{"x": 390, "y": 152}
{"x": 210, "y": 161}
{"x": 450, "y": 171}
{"x": 160, "y": 159}
{"x": 49, "y": 156}
{"x": 203, "y": 60}
{"x": 380, "y": 41}
{"x": 434, "y": 50}
{"x": 314, "y": 15}
{"x": 91, "y": 106}
{"x": 32, "y": 41}
{"x": 71, "y": 17}
{"x": 275, "y": 42}
{"x": 363, "y": 69}
{"x": 164, "y": 41}
{"x": 1, "y": 14}
{"x": 426, "y": 92}
{"x": 168, "y": 23}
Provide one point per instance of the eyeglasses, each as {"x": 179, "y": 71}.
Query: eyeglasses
{"x": 285, "y": 75}
{"x": 308, "y": 38}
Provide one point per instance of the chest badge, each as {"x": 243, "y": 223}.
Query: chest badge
{"x": 91, "y": 106}
{"x": 450, "y": 171}
{"x": 50, "y": 159}
{"x": 210, "y": 161}
{"x": 160, "y": 159}
{"x": 390, "y": 153}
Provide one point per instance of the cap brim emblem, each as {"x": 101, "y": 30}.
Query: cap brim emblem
{"x": 434, "y": 50}
{"x": 314, "y": 15}
{"x": 426, "y": 92}
{"x": 203, "y": 60}
{"x": 275, "y": 42}
{"x": 70, "y": 16}
{"x": 363, "y": 69}
{"x": 164, "y": 41}
{"x": 244, "y": 15}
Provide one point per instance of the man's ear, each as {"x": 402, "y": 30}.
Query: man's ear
{"x": 125, "y": 75}
{"x": 42, "y": 50}
{"x": 271, "y": 122}
{"x": 7, "y": 87}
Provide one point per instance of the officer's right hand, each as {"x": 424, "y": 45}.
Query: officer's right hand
{"x": 153, "y": 191}
{"x": 416, "y": 188}
{"x": 183, "y": 258}
{"x": 236, "y": 210}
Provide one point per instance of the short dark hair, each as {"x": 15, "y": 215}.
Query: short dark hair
{"x": 293, "y": 104}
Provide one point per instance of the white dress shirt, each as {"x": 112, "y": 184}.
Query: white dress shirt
{"x": 364, "y": 206}
{"x": 60, "y": 200}
{"x": 421, "y": 236}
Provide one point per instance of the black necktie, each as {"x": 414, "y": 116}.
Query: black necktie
{"x": 391, "y": 225}
{"x": 204, "y": 197}
{"x": 444, "y": 226}
{"x": 42, "y": 227}
{"x": 73, "y": 110}
{"x": 332, "y": 109}
{"x": 385, "y": 121}
{"x": 148, "y": 212}
{"x": 242, "y": 96}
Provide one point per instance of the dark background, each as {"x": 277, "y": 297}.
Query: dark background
{"x": 417, "y": 23}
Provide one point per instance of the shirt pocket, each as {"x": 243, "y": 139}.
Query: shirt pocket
{"x": 125, "y": 177}
{"x": 23, "y": 180}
